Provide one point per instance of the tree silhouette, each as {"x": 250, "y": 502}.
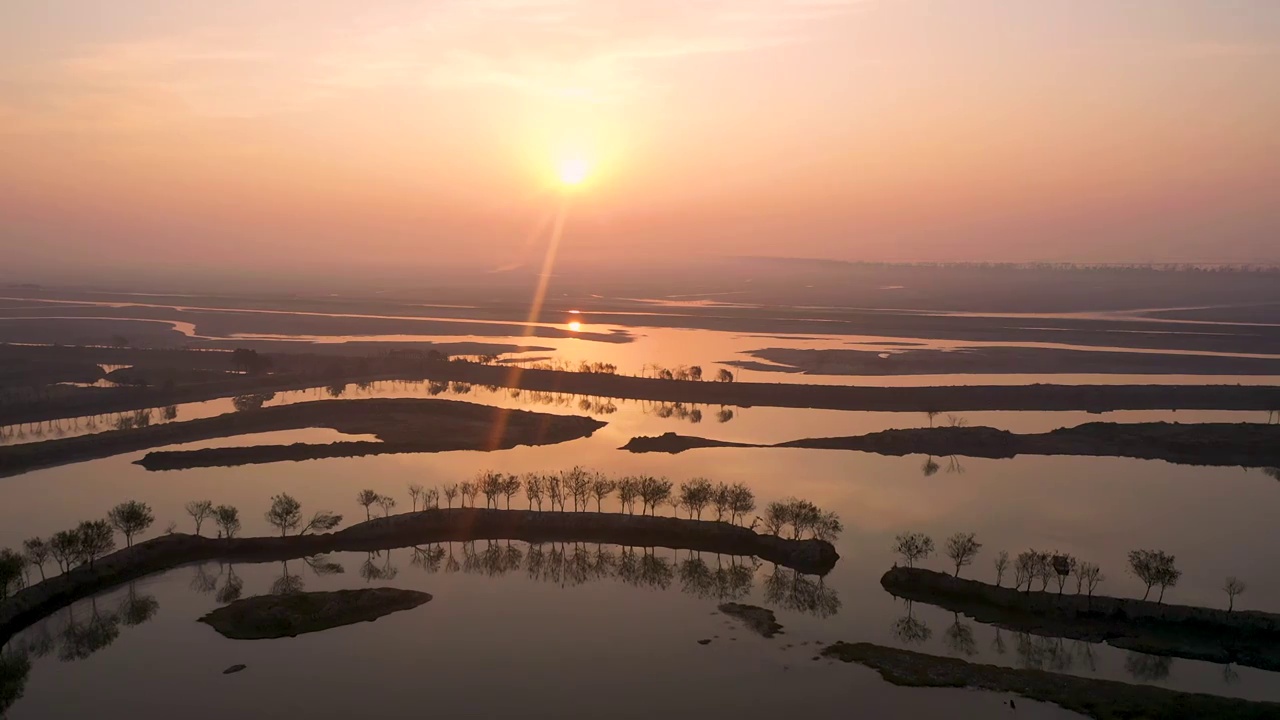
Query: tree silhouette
{"x": 1148, "y": 668}
{"x": 200, "y": 510}
{"x": 1233, "y": 587}
{"x": 285, "y": 513}
{"x": 961, "y": 548}
{"x": 37, "y": 552}
{"x": 1001, "y": 565}
{"x": 227, "y": 519}
{"x": 959, "y": 638}
{"x": 913, "y": 547}
{"x": 131, "y": 518}
{"x": 94, "y": 539}
{"x": 1154, "y": 567}
{"x": 368, "y": 498}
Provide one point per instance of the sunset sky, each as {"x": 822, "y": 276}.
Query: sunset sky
{"x": 402, "y": 132}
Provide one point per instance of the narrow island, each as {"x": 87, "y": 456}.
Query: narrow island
{"x": 401, "y": 425}
{"x": 809, "y": 556}
{"x": 760, "y": 620}
{"x": 1228, "y": 444}
{"x": 1100, "y": 699}
{"x": 268, "y": 617}
{"x": 1243, "y": 637}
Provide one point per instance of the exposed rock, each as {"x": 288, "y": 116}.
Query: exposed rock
{"x": 704, "y": 642}
{"x": 761, "y": 620}
{"x": 234, "y": 669}
{"x": 292, "y": 614}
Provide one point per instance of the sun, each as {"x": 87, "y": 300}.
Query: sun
{"x": 573, "y": 170}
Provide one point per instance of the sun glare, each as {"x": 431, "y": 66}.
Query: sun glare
{"x": 573, "y": 171}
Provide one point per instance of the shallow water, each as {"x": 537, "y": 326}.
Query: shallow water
{"x": 534, "y": 639}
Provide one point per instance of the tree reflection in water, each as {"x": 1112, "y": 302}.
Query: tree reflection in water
{"x": 232, "y": 587}
{"x": 959, "y": 638}
{"x": 320, "y": 565}
{"x": 372, "y": 570}
{"x": 1148, "y": 668}
{"x": 1043, "y": 653}
{"x": 910, "y": 631}
{"x": 789, "y": 589}
{"x": 82, "y": 639}
{"x": 15, "y": 667}
{"x": 137, "y": 609}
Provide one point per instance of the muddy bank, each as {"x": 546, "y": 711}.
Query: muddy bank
{"x": 1101, "y": 699}
{"x": 276, "y": 616}
{"x": 433, "y": 526}
{"x": 760, "y": 620}
{"x": 406, "y": 425}
{"x": 303, "y": 371}
{"x": 1230, "y": 444}
{"x": 1244, "y": 637}
{"x": 1003, "y": 361}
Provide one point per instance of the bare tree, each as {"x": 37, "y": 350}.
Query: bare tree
{"x": 94, "y": 539}
{"x": 1002, "y": 564}
{"x": 367, "y": 499}
{"x": 533, "y": 488}
{"x": 285, "y": 513}
{"x": 962, "y": 548}
{"x": 1063, "y": 567}
{"x": 695, "y": 494}
{"x": 37, "y": 552}
{"x": 431, "y": 498}
{"x": 1233, "y": 587}
{"x": 64, "y": 547}
{"x": 1154, "y": 567}
{"x": 200, "y": 510}
{"x": 386, "y": 502}
{"x": 577, "y": 483}
{"x": 601, "y": 488}
{"x": 741, "y": 502}
{"x": 450, "y": 492}
{"x": 913, "y": 547}
{"x": 228, "y": 520}
{"x": 321, "y": 521}
{"x": 1088, "y": 577}
{"x": 628, "y": 491}
{"x": 131, "y": 518}
{"x": 415, "y": 492}
{"x": 510, "y": 487}
{"x": 468, "y": 490}
{"x": 721, "y": 500}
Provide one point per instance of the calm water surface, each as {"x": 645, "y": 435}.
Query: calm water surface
{"x": 567, "y": 649}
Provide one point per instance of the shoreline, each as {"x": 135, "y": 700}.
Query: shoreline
{"x": 442, "y": 525}
{"x": 1246, "y": 637}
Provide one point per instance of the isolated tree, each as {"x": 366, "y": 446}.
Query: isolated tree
{"x": 1153, "y": 567}
{"x": 962, "y": 548}
{"x": 695, "y": 495}
{"x": 386, "y": 502}
{"x": 1002, "y": 564}
{"x": 37, "y": 552}
{"x": 285, "y": 513}
{"x": 200, "y": 510}
{"x": 415, "y": 492}
{"x": 510, "y": 487}
{"x": 601, "y": 488}
{"x": 367, "y": 499}
{"x": 227, "y": 519}
{"x": 1063, "y": 567}
{"x": 131, "y": 518}
{"x": 450, "y": 492}
{"x": 95, "y": 539}
{"x": 723, "y": 375}
{"x": 1232, "y": 587}
{"x": 913, "y": 547}
{"x": 930, "y": 467}
{"x": 695, "y": 372}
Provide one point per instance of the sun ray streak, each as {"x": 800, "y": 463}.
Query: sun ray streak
{"x": 535, "y": 310}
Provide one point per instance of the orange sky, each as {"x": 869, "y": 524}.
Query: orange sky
{"x": 399, "y": 132}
